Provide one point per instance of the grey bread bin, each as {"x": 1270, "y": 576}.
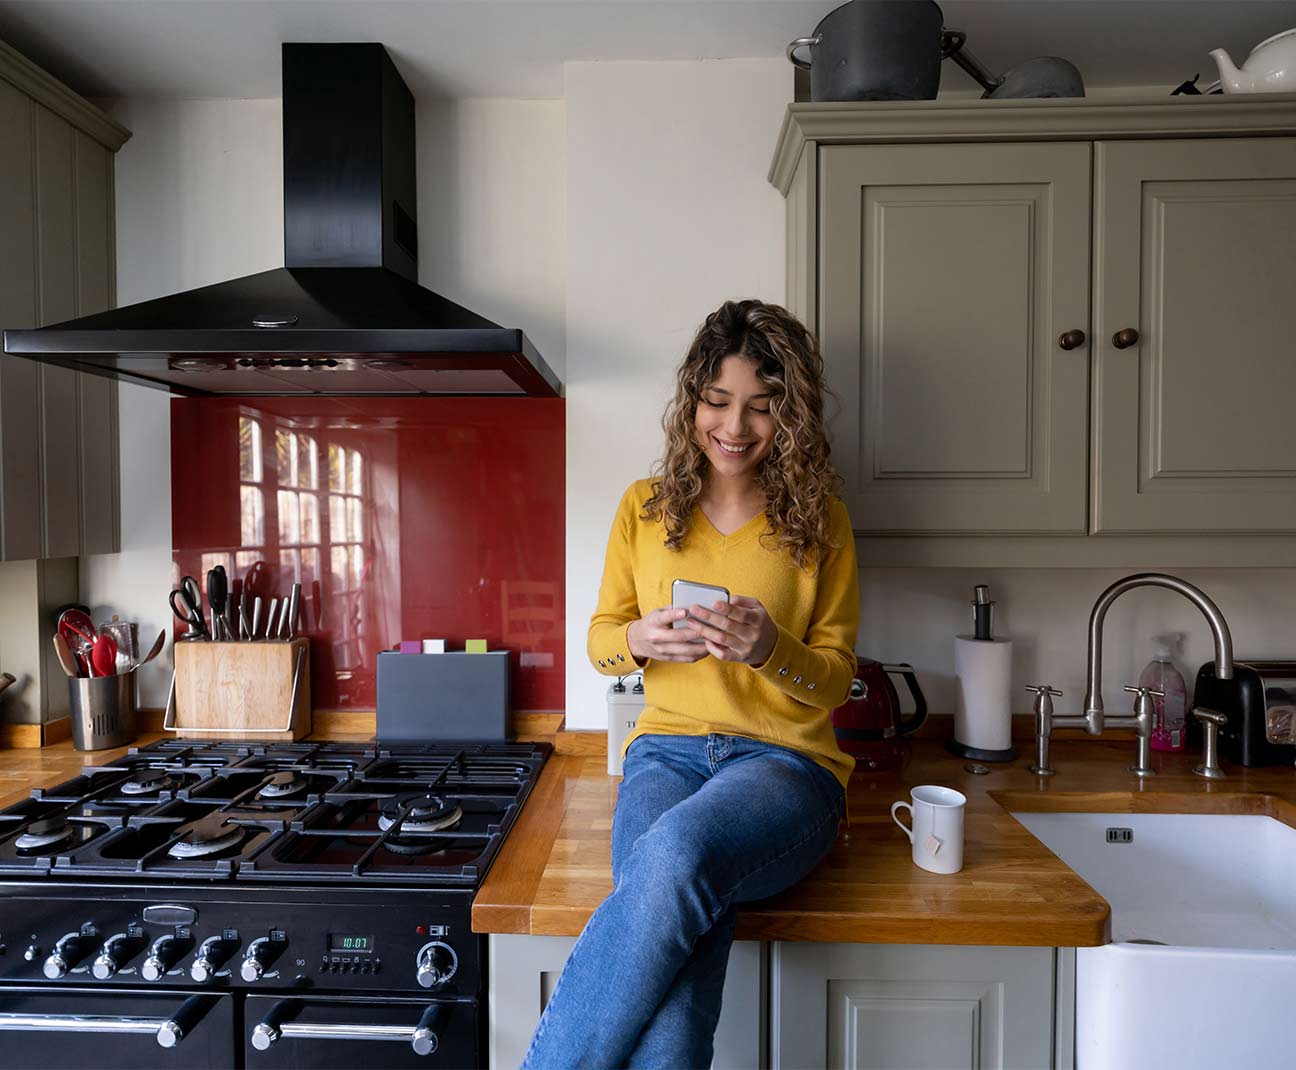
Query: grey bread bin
{"x": 443, "y": 697}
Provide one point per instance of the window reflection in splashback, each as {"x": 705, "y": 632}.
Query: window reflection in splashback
{"x": 402, "y": 518}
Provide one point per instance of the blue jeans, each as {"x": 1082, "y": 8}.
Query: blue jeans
{"x": 702, "y": 823}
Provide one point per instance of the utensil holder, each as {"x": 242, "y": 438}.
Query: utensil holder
{"x": 103, "y": 710}
{"x": 258, "y": 690}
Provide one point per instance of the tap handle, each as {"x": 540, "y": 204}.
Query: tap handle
{"x": 1210, "y": 718}
{"x": 1144, "y": 691}
{"x": 1044, "y": 694}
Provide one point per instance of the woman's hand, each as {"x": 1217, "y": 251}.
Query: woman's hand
{"x": 653, "y": 637}
{"x": 739, "y": 630}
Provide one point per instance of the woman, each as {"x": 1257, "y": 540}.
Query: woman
{"x": 734, "y": 785}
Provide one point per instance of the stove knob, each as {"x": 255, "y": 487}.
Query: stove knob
{"x": 115, "y": 952}
{"x": 32, "y": 953}
{"x": 437, "y": 963}
{"x": 70, "y": 950}
{"x": 258, "y": 956}
{"x": 211, "y": 956}
{"x": 166, "y": 952}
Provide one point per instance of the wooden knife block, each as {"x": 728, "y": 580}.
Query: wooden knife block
{"x": 230, "y": 691}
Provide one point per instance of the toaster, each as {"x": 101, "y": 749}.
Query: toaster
{"x": 1260, "y": 703}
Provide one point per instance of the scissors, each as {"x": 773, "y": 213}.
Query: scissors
{"x": 189, "y": 608}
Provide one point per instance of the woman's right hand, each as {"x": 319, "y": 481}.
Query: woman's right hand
{"x": 653, "y": 637}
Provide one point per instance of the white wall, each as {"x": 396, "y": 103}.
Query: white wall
{"x": 669, "y": 215}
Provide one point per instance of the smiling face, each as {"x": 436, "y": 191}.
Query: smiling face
{"x": 733, "y": 422}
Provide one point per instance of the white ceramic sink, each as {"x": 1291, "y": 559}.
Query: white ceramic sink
{"x": 1216, "y": 897}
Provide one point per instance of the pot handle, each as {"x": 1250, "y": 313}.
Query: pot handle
{"x": 916, "y": 719}
{"x": 804, "y": 64}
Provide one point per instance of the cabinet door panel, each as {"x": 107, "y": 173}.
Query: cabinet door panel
{"x": 947, "y": 273}
{"x": 1192, "y": 426}
{"x": 20, "y": 515}
{"x": 910, "y": 1007}
{"x": 60, "y": 460}
{"x": 97, "y": 409}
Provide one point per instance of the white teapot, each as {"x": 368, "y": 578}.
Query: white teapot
{"x": 1271, "y": 67}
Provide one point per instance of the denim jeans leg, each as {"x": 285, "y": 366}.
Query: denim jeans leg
{"x": 681, "y": 1032}
{"x": 754, "y": 828}
{"x": 659, "y": 772}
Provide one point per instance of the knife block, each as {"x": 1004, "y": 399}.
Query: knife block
{"x": 227, "y": 691}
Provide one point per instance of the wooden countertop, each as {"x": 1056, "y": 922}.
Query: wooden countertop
{"x": 555, "y": 866}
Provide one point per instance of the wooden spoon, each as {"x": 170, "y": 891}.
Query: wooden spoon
{"x": 65, "y": 657}
{"x": 154, "y": 651}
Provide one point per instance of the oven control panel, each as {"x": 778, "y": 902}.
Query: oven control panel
{"x": 407, "y": 946}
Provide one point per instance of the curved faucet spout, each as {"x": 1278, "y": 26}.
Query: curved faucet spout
{"x": 1093, "y": 704}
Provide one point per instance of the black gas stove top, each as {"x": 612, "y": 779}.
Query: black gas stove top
{"x": 430, "y": 814}
{"x": 255, "y": 905}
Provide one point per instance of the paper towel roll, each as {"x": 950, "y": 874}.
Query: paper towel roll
{"x": 983, "y": 706}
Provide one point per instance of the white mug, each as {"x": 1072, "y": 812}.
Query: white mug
{"x": 937, "y": 833}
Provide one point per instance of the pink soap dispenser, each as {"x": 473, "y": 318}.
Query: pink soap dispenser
{"x": 1168, "y": 725}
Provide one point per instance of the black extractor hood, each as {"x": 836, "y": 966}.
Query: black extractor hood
{"x": 346, "y": 314}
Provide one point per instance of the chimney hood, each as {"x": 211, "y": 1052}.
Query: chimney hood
{"x": 345, "y": 315}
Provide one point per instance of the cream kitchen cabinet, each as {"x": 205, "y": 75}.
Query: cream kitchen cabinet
{"x": 58, "y": 428}
{"x": 900, "y": 1007}
{"x": 944, "y": 252}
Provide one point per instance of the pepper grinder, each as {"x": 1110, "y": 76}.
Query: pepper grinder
{"x": 983, "y": 675}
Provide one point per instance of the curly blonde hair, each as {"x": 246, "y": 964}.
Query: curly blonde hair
{"x": 798, "y": 481}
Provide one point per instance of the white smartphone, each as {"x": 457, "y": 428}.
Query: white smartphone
{"x": 685, "y": 593}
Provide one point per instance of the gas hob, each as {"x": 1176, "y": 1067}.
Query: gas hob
{"x": 255, "y": 904}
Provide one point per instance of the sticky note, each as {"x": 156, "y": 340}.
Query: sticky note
{"x": 475, "y": 646}
{"x": 433, "y": 646}
{"x": 409, "y": 646}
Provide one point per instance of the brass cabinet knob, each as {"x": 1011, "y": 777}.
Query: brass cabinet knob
{"x": 1125, "y": 338}
{"x": 1071, "y": 339}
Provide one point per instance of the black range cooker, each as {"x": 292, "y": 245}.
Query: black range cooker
{"x": 255, "y": 905}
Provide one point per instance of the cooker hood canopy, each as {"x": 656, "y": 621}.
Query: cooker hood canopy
{"x": 346, "y": 314}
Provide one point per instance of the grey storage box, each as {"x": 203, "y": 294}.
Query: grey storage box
{"x": 452, "y": 696}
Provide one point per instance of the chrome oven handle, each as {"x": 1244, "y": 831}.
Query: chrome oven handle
{"x": 422, "y": 1037}
{"x": 168, "y": 1031}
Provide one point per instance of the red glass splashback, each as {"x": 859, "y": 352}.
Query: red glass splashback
{"x": 402, "y": 518}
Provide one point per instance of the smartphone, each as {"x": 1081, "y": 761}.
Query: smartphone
{"x": 685, "y": 593}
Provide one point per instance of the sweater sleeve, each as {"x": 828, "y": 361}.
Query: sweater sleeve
{"x": 618, "y": 601}
{"x": 817, "y": 668}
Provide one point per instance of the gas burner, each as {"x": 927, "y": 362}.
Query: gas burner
{"x": 44, "y": 833}
{"x": 147, "y": 782}
{"x": 207, "y": 836}
{"x": 282, "y": 785}
{"x": 423, "y": 813}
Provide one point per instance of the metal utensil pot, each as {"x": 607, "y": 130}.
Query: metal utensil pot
{"x": 103, "y": 710}
{"x": 874, "y": 50}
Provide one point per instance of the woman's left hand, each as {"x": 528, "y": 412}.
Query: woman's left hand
{"x": 739, "y": 630}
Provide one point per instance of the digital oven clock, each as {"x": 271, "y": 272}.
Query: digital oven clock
{"x": 351, "y": 943}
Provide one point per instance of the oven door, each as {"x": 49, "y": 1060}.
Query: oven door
{"x": 62, "y": 1027}
{"x": 324, "y": 1031}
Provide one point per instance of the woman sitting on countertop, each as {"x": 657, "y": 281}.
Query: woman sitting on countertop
{"x": 734, "y": 785}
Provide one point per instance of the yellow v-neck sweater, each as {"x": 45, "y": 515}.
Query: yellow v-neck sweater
{"x": 788, "y": 700}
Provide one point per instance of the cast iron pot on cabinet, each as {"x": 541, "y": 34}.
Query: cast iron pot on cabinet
{"x": 874, "y": 50}
{"x": 869, "y": 725}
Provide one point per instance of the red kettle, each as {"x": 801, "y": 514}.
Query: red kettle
{"x": 869, "y": 724}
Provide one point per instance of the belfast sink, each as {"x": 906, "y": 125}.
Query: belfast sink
{"x": 1202, "y": 964}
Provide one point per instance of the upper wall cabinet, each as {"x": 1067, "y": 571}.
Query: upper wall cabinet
{"x": 59, "y": 494}
{"x": 1195, "y": 247}
{"x": 943, "y": 253}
